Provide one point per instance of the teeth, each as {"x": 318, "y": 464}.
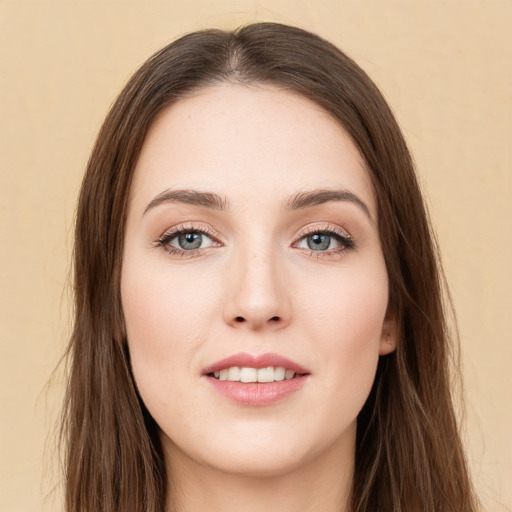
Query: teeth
{"x": 266, "y": 374}
{"x": 279, "y": 373}
{"x": 234, "y": 373}
{"x": 269, "y": 374}
{"x": 248, "y": 375}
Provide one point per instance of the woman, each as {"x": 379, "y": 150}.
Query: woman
{"x": 259, "y": 318}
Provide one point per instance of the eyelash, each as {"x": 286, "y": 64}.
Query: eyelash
{"x": 346, "y": 242}
{"x": 164, "y": 241}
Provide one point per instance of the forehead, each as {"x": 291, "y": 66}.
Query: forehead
{"x": 246, "y": 142}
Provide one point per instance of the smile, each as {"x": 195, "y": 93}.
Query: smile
{"x": 248, "y": 374}
{"x": 260, "y": 380}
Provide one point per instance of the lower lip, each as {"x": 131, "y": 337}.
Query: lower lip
{"x": 257, "y": 393}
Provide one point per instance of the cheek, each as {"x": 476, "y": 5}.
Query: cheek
{"x": 167, "y": 316}
{"x": 346, "y": 320}
{"x": 162, "y": 305}
{"x": 347, "y": 308}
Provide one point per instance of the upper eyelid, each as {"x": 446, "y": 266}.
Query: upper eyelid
{"x": 341, "y": 234}
{"x": 186, "y": 228}
{"x": 343, "y": 237}
{"x": 319, "y": 229}
{"x": 308, "y": 230}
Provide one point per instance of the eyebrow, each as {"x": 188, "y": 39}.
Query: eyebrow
{"x": 298, "y": 201}
{"x": 311, "y": 198}
{"x": 190, "y": 196}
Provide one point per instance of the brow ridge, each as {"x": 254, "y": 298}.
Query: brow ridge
{"x": 189, "y": 196}
{"x": 307, "y": 199}
{"x": 298, "y": 201}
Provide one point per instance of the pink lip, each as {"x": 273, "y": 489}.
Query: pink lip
{"x": 256, "y": 393}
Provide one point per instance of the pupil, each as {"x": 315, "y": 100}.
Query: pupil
{"x": 190, "y": 240}
{"x": 319, "y": 242}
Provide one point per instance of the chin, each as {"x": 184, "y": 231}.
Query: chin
{"x": 263, "y": 466}
{"x": 261, "y": 453}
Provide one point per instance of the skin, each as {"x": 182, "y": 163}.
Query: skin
{"x": 254, "y": 286}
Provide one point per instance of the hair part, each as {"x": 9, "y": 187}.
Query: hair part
{"x": 408, "y": 454}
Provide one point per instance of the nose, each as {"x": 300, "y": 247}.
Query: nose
{"x": 258, "y": 295}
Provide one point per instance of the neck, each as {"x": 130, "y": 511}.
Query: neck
{"x": 322, "y": 484}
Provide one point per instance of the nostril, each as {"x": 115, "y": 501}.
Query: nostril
{"x": 241, "y": 319}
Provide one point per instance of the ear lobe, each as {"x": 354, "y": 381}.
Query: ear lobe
{"x": 388, "y": 336}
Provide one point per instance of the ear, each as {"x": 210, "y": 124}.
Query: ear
{"x": 389, "y": 334}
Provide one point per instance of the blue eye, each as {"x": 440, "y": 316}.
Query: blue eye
{"x": 185, "y": 241}
{"x": 329, "y": 241}
{"x": 189, "y": 240}
{"x": 319, "y": 242}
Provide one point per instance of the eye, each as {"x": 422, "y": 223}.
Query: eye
{"x": 186, "y": 241}
{"x": 325, "y": 241}
{"x": 189, "y": 240}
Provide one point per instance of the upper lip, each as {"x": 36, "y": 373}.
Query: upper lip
{"x": 255, "y": 361}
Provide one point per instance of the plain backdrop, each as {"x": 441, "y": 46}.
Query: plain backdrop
{"x": 446, "y": 69}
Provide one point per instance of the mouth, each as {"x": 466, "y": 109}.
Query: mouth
{"x": 256, "y": 380}
{"x": 249, "y": 374}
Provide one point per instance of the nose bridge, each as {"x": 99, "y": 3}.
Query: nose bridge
{"x": 258, "y": 296}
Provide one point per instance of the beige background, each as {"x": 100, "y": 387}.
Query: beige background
{"x": 446, "y": 68}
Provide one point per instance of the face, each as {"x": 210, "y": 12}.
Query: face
{"x": 253, "y": 285}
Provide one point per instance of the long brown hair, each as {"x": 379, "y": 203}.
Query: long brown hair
{"x": 409, "y": 455}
